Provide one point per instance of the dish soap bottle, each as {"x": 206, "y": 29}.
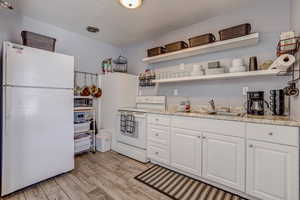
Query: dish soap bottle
{"x": 187, "y": 106}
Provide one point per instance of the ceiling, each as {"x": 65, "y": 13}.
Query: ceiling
{"x": 120, "y": 26}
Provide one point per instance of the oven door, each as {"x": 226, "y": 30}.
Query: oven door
{"x": 138, "y": 138}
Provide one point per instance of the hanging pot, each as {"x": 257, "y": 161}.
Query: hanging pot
{"x": 95, "y": 91}
{"x": 85, "y": 90}
{"x": 98, "y": 93}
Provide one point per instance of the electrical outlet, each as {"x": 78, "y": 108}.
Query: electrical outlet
{"x": 175, "y": 92}
{"x": 245, "y": 90}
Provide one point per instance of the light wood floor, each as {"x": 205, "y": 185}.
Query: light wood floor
{"x": 100, "y": 176}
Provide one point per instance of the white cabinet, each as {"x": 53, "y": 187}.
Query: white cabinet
{"x": 257, "y": 159}
{"x": 158, "y": 136}
{"x": 272, "y": 171}
{"x": 224, "y": 160}
{"x": 158, "y": 139}
{"x": 159, "y": 154}
{"x": 186, "y": 150}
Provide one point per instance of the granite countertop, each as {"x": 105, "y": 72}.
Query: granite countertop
{"x": 272, "y": 120}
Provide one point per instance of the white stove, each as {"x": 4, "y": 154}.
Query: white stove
{"x": 131, "y": 126}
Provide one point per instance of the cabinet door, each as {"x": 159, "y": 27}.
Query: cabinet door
{"x": 224, "y": 160}
{"x": 272, "y": 171}
{"x": 186, "y": 150}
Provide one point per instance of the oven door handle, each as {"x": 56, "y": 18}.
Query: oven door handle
{"x": 139, "y": 115}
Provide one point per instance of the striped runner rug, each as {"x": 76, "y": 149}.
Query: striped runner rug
{"x": 180, "y": 187}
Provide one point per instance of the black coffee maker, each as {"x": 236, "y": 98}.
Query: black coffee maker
{"x": 256, "y": 103}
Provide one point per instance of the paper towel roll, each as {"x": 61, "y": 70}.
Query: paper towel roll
{"x": 283, "y": 62}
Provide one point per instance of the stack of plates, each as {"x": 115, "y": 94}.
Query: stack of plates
{"x": 214, "y": 71}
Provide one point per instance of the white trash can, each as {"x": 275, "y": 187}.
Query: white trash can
{"x": 103, "y": 141}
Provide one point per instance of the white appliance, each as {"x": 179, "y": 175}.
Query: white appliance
{"x": 132, "y": 140}
{"x": 119, "y": 90}
{"x": 37, "y": 119}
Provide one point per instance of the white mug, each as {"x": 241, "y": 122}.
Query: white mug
{"x": 237, "y": 62}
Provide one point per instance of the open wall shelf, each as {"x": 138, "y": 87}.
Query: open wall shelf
{"x": 244, "y": 41}
{"x": 221, "y": 76}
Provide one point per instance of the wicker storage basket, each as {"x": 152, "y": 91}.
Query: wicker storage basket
{"x": 202, "y": 40}
{"x": 176, "y": 46}
{"x": 156, "y": 51}
{"x": 236, "y": 31}
{"x": 38, "y": 41}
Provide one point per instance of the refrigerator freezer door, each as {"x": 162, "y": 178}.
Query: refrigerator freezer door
{"x": 25, "y": 66}
{"x": 38, "y": 136}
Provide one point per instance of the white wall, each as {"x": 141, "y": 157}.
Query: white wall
{"x": 264, "y": 19}
{"x": 8, "y": 24}
{"x": 262, "y": 16}
{"x": 88, "y": 53}
{"x": 295, "y": 15}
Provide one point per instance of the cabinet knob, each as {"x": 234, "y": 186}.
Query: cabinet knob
{"x": 270, "y": 133}
{"x": 156, "y": 153}
{"x": 203, "y": 137}
{"x": 251, "y": 146}
{"x": 156, "y": 134}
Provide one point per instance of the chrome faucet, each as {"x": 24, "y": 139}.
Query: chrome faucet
{"x": 212, "y": 106}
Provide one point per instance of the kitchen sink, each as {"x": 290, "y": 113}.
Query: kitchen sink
{"x": 215, "y": 113}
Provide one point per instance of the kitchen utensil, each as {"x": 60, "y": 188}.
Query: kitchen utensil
{"x": 202, "y": 40}
{"x": 95, "y": 91}
{"x": 234, "y": 32}
{"x": 253, "y": 66}
{"x": 277, "y": 102}
{"x": 176, "y": 46}
{"x": 85, "y": 90}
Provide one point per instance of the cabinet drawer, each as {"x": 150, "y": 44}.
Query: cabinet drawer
{"x": 230, "y": 128}
{"x": 163, "y": 120}
{"x": 158, "y": 136}
{"x": 271, "y": 133}
{"x": 159, "y": 155}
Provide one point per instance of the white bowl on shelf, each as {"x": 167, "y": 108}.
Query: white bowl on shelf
{"x": 237, "y": 69}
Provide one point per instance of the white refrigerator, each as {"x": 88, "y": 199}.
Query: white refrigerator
{"x": 119, "y": 90}
{"x": 37, "y": 120}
